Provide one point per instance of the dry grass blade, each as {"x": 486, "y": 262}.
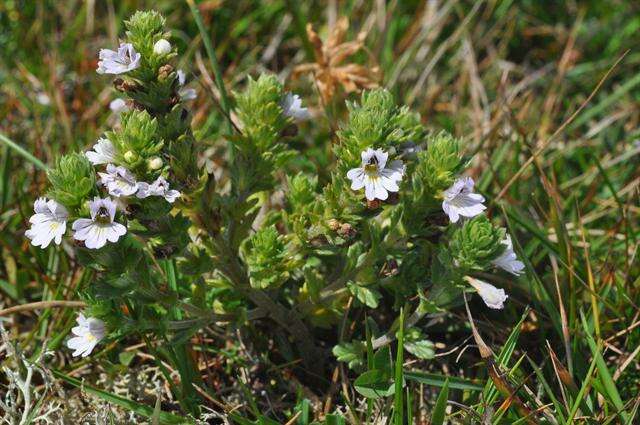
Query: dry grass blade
{"x": 546, "y": 143}
{"x": 507, "y": 391}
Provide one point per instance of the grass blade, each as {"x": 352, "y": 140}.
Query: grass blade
{"x": 437, "y": 418}
{"x": 138, "y": 408}
{"x": 22, "y": 152}
{"x": 398, "y": 402}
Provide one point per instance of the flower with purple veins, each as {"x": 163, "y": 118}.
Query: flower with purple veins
{"x": 160, "y": 187}
{"x": 118, "y": 62}
{"x": 375, "y": 176}
{"x": 119, "y": 181}
{"x": 460, "y": 201}
{"x": 49, "y": 223}
{"x": 101, "y": 227}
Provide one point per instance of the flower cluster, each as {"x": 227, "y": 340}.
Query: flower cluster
{"x": 475, "y": 244}
{"x": 121, "y": 185}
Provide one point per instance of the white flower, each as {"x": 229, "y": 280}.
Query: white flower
{"x": 292, "y": 107}
{"x": 43, "y": 98}
{"x": 87, "y": 335}
{"x": 185, "y": 93}
{"x": 103, "y": 152}
{"x": 492, "y": 296}
{"x": 508, "y": 260}
{"x": 181, "y": 76}
{"x": 374, "y": 176}
{"x": 459, "y": 200}
{"x": 162, "y": 47}
{"x": 100, "y": 228}
{"x": 48, "y": 223}
{"x": 118, "y": 106}
{"x": 119, "y": 181}
{"x": 124, "y": 60}
{"x": 160, "y": 187}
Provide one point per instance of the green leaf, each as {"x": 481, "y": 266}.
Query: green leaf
{"x": 382, "y": 359}
{"x": 126, "y": 357}
{"x": 351, "y": 353}
{"x": 422, "y": 349}
{"x": 375, "y": 384}
{"x": 398, "y": 402}
{"x": 437, "y": 417}
{"x": 436, "y": 380}
{"x": 334, "y": 420}
{"x": 367, "y": 296}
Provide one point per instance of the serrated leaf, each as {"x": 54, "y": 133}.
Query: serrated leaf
{"x": 367, "y": 296}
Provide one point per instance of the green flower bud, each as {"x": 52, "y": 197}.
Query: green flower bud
{"x": 138, "y": 138}
{"x": 141, "y": 29}
{"x": 259, "y": 109}
{"x": 377, "y": 122}
{"x": 476, "y": 243}
{"x": 72, "y": 180}
{"x": 302, "y": 191}
{"x": 266, "y": 259}
{"x": 130, "y": 156}
{"x": 440, "y": 163}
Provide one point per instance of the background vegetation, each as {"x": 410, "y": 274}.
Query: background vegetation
{"x": 546, "y": 94}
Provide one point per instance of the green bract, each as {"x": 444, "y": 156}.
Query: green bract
{"x": 137, "y": 141}
{"x": 266, "y": 258}
{"x": 476, "y": 243}
{"x": 259, "y": 149}
{"x": 376, "y": 122}
{"x": 72, "y": 180}
{"x": 440, "y": 163}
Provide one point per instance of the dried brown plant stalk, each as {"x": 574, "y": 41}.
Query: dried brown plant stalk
{"x": 331, "y": 69}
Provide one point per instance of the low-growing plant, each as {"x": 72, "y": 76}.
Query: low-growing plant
{"x": 396, "y": 227}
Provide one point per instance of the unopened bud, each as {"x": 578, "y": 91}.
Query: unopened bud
{"x": 333, "y": 224}
{"x": 164, "y": 72}
{"x": 154, "y": 163}
{"x": 346, "y": 230}
{"x": 162, "y": 47}
{"x": 125, "y": 85}
{"x": 130, "y": 156}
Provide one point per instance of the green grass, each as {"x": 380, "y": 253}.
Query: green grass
{"x": 506, "y": 76}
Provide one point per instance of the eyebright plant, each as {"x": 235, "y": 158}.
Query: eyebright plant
{"x": 394, "y": 223}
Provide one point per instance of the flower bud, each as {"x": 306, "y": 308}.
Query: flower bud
{"x": 154, "y": 163}
{"x": 164, "y": 72}
{"x": 476, "y": 243}
{"x": 346, "y": 230}
{"x": 130, "y": 156}
{"x": 125, "y": 85}
{"x": 162, "y": 47}
{"x": 333, "y": 224}
{"x": 72, "y": 180}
